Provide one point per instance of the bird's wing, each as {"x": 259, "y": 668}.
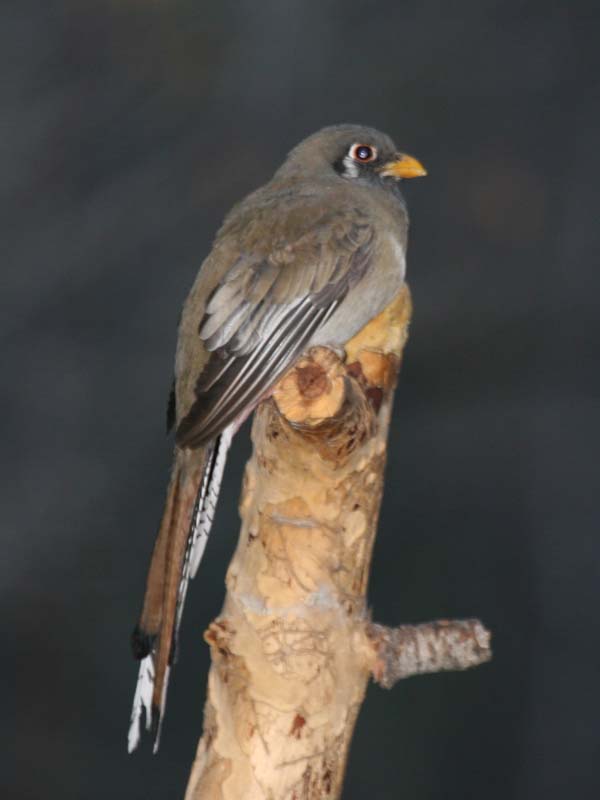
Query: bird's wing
{"x": 287, "y": 280}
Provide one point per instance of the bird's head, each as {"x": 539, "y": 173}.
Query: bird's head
{"x": 353, "y": 152}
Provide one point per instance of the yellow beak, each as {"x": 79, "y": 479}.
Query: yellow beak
{"x": 403, "y": 166}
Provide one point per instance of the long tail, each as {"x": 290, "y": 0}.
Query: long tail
{"x": 182, "y": 536}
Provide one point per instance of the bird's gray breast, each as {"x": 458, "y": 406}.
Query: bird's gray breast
{"x": 368, "y": 297}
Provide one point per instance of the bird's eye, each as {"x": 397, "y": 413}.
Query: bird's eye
{"x": 363, "y": 153}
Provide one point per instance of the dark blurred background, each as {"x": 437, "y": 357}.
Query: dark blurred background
{"x": 128, "y": 129}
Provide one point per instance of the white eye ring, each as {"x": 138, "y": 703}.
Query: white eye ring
{"x": 363, "y": 153}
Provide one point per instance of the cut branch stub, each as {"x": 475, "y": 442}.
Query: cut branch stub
{"x": 430, "y": 647}
{"x": 313, "y": 392}
{"x": 324, "y": 405}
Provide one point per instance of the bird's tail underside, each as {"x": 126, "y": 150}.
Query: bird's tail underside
{"x": 182, "y": 536}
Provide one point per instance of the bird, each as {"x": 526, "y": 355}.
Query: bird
{"x": 306, "y": 260}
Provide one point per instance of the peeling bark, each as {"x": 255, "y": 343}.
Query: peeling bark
{"x": 293, "y": 648}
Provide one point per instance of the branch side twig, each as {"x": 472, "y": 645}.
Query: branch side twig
{"x": 431, "y": 647}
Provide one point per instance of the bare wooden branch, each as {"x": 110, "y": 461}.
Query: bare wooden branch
{"x": 431, "y": 647}
{"x": 293, "y": 648}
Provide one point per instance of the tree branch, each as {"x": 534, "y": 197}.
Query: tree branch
{"x": 431, "y": 647}
{"x": 293, "y": 648}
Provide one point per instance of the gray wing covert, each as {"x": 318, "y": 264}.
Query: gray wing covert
{"x": 264, "y": 312}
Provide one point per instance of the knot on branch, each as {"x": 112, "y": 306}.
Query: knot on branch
{"x": 218, "y": 635}
{"x": 313, "y": 390}
{"x": 325, "y": 405}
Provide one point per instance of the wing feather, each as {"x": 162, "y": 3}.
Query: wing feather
{"x": 265, "y": 311}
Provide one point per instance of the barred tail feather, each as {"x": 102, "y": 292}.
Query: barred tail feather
{"x": 142, "y": 702}
{"x": 181, "y": 542}
{"x": 205, "y": 510}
